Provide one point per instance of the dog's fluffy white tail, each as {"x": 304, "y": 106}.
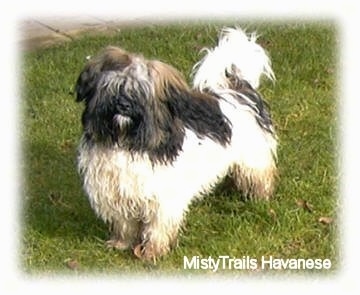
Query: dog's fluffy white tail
{"x": 236, "y": 54}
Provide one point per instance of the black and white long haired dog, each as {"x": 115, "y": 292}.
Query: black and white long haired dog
{"x": 151, "y": 144}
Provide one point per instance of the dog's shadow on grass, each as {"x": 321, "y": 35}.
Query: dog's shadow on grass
{"x": 55, "y": 202}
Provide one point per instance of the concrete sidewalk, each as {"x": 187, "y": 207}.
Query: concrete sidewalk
{"x": 45, "y": 32}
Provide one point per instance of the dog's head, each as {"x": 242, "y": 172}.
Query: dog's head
{"x": 126, "y": 102}
{"x": 143, "y": 105}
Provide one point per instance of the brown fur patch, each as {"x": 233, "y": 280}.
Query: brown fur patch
{"x": 257, "y": 184}
{"x": 110, "y": 59}
{"x": 164, "y": 77}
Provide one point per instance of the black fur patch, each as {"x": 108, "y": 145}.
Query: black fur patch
{"x": 258, "y": 104}
{"x": 200, "y": 113}
{"x": 152, "y": 129}
{"x": 98, "y": 122}
{"x": 160, "y": 133}
{"x": 153, "y": 126}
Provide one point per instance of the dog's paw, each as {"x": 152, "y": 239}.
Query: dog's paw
{"x": 144, "y": 253}
{"x": 148, "y": 252}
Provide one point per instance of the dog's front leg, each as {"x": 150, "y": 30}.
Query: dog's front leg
{"x": 159, "y": 233}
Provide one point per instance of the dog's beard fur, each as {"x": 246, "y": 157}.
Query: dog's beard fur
{"x": 151, "y": 144}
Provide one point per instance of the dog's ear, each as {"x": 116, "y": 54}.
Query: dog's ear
{"x": 86, "y": 83}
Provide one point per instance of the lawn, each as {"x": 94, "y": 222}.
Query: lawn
{"x": 60, "y": 232}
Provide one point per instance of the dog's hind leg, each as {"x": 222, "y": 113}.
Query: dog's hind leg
{"x": 254, "y": 183}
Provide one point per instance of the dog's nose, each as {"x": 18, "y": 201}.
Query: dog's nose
{"x": 122, "y": 106}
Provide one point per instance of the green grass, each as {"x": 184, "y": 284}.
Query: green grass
{"x": 57, "y": 221}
